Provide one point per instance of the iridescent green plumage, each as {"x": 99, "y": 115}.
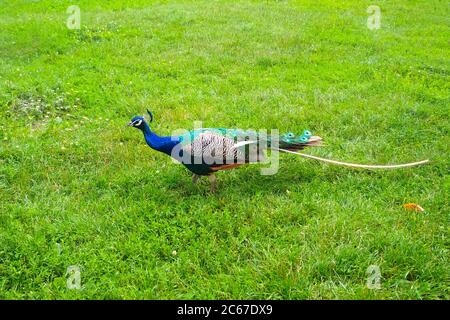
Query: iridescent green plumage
{"x": 287, "y": 141}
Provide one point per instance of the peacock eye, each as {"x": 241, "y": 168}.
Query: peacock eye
{"x": 138, "y": 123}
{"x": 307, "y": 133}
{"x": 290, "y": 135}
{"x": 304, "y": 139}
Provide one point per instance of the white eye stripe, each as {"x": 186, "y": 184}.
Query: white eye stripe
{"x": 137, "y": 123}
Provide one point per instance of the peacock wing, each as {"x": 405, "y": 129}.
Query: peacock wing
{"x": 211, "y": 146}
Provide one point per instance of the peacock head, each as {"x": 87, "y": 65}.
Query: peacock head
{"x": 139, "y": 121}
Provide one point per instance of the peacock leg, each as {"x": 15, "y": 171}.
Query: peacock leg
{"x": 195, "y": 178}
{"x": 213, "y": 180}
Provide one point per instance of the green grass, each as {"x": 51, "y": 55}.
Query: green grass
{"x": 79, "y": 188}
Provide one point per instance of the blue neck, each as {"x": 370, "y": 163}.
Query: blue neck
{"x": 163, "y": 144}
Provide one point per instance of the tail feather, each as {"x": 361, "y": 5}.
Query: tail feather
{"x": 290, "y": 144}
{"x": 357, "y": 165}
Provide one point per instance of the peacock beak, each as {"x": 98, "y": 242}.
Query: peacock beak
{"x": 129, "y": 124}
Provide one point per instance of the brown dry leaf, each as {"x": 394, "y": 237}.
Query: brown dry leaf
{"x": 413, "y": 206}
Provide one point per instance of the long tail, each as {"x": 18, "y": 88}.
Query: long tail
{"x": 356, "y": 165}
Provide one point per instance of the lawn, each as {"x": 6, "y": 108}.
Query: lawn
{"x": 81, "y": 191}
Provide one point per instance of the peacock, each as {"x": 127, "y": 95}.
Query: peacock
{"x": 206, "y": 151}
